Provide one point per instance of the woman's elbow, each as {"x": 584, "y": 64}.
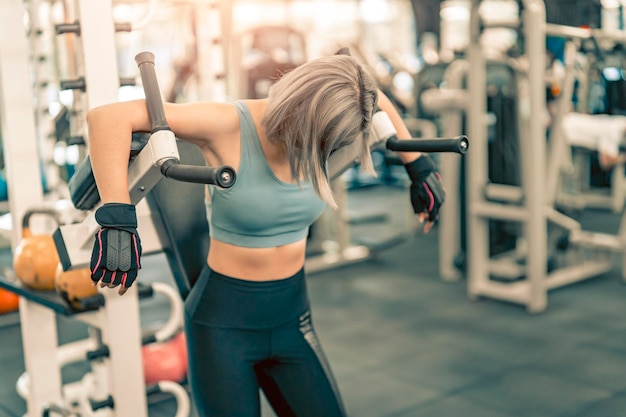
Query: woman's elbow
{"x": 97, "y": 115}
{"x": 122, "y": 115}
{"x": 92, "y": 115}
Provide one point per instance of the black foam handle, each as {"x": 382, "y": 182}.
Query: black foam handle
{"x": 456, "y": 145}
{"x": 224, "y": 176}
{"x": 145, "y": 62}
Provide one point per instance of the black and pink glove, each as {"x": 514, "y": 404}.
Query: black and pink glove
{"x": 427, "y": 193}
{"x": 115, "y": 260}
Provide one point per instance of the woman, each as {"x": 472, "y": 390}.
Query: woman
{"x": 248, "y": 323}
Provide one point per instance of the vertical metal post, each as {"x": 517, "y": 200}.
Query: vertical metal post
{"x": 19, "y": 138}
{"x": 622, "y": 239}
{"x": 534, "y": 166}
{"x": 97, "y": 38}
{"x": 450, "y": 167}
{"x": 477, "y": 159}
{"x": 211, "y": 53}
{"x": 44, "y": 83}
{"x": 618, "y": 188}
{"x": 121, "y": 332}
{"x": 120, "y": 323}
{"x": 558, "y": 144}
{"x": 230, "y": 43}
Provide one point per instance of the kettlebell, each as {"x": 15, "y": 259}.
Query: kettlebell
{"x": 74, "y": 285}
{"x": 35, "y": 260}
{"x": 164, "y": 361}
{"x": 9, "y": 301}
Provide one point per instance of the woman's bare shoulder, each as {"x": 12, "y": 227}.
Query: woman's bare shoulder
{"x": 202, "y": 122}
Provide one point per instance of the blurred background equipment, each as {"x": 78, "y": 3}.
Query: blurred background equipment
{"x": 269, "y": 52}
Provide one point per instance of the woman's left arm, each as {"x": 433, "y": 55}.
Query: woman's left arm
{"x": 401, "y": 130}
{"x": 427, "y": 193}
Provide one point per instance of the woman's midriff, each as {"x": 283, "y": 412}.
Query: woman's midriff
{"x": 257, "y": 264}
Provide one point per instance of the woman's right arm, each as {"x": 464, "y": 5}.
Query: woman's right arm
{"x": 110, "y": 129}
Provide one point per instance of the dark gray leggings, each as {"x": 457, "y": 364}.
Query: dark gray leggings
{"x": 245, "y": 335}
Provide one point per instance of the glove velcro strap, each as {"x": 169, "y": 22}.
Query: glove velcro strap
{"x": 419, "y": 169}
{"x": 117, "y": 215}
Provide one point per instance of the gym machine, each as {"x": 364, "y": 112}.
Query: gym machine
{"x": 572, "y": 168}
{"x": 155, "y": 158}
{"x": 525, "y": 274}
{"x": 160, "y": 157}
{"x": 119, "y": 369}
{"x": 450, "y": 104}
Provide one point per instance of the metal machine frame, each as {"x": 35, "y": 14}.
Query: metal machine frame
{"x": 524, "y": 274}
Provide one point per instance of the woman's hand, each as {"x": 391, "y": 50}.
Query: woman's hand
{"x": 427, "y": 193}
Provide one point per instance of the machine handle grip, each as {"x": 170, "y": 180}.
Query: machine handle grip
{"x": 145, "y": 62}
{"x": 457, "y": 145}
{"x": 223, "y": 176}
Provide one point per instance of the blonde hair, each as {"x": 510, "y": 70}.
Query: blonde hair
{"x": 318, "y": 108}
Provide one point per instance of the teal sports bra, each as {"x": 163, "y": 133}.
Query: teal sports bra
{"x": 260, "y": 210}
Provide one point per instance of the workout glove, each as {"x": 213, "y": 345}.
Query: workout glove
{"x": 117, "y": 249}
{"x": 427, "y": 193}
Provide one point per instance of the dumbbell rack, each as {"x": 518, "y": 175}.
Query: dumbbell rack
{"x": 113, "y": 361}
{"x": 118, "y": 320}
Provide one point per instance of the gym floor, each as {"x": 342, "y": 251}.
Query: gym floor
{"x": 403, "y": 343}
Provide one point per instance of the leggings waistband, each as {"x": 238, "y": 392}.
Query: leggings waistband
{"x": 259, "y": 285}
{"x": 221, "y": 301}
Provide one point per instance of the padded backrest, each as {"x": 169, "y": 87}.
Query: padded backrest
{"x": 179, "y": 215}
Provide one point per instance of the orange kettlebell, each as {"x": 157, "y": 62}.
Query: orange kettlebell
{"x": 35, "y": 260}
{"x": 74, "y": 285}
{"x": 9, "y": 301}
